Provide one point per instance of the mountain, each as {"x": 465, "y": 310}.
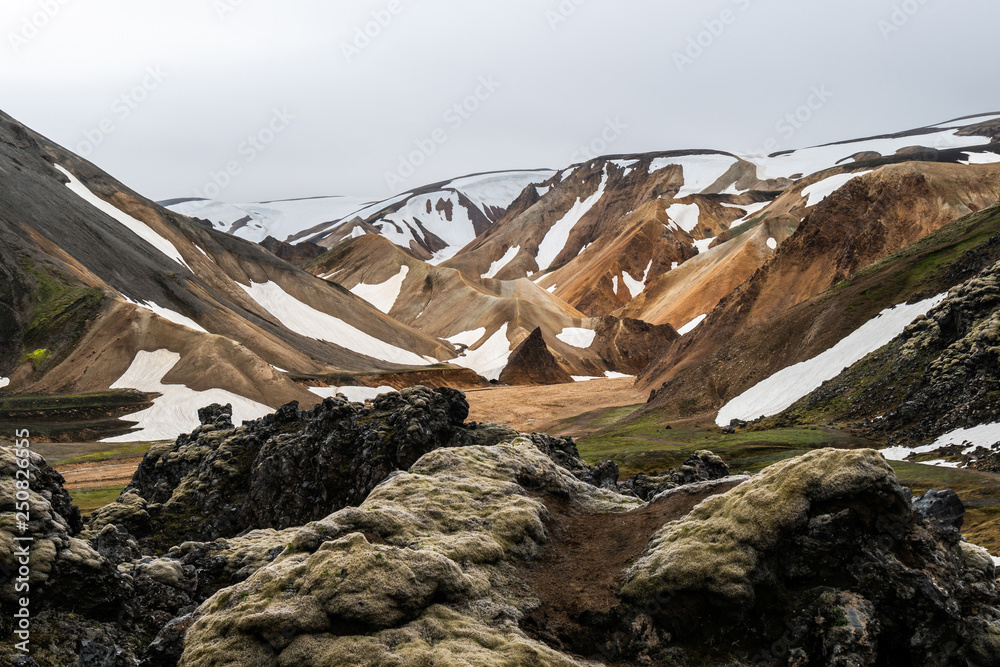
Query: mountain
{"x": 487, "y": 317}
{"x": 433, "y": 222}
{"x": 105, "y": 289}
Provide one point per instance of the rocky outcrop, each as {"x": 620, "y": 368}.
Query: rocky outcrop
{"x": 825, "y": 558}
{"x": 459, "y": 555}
{"x": 700, "y": 467}
{"x": 288, "y": 468}
{"x": 532, "y": 363}
{"x": 297, "y": 254}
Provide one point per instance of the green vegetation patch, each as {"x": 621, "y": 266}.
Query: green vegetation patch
{"x": 56, "y": 305}
{"x": 646, "y": 445}
{"x": 89, "y": 500}
{"x": 129, "y": 450}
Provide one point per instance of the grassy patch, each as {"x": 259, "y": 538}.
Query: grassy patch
{"x": 38, "y": 404}
{"x": 89, "y": 500}
{"x": 128, "y": 450}
{"x": 646, "y": 445}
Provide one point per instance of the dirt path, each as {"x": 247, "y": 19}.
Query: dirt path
{"x": 541, "y": 409}
{"x": 117, "y": 472}
{"x": 579, "y": 574}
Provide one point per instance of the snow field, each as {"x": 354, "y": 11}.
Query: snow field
{"x": 176, "y": 410}
{"x": 307, "y": 321}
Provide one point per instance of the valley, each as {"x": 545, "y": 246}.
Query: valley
{"x": 653, "y": 408}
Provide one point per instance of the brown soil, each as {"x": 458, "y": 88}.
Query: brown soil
{"x": 542, "y": 409}
{"x": 578, "y": 576}
{"x": 117, "y": 472}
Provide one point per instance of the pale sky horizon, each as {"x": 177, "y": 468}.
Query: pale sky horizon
{"x": 254, "y": 100}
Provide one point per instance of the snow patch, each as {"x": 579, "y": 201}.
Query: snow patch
{"x": 692, "y": 325}
{"x": 557, "y": 236}
{"x": 700, "y": 171}
{"x": 138, "y": 227}
{"x": 307, "y": 321}
{"x": 176, "y": 410}
{"x": 704, "y": 245}
{"x": 168, "y": 314}
{"x": 468, "y": 338}
{"x": 785, "y": 387}
{"x": 685, "y": 215}
{"x": 817, "y": 192}
{"x": 353, "y": 394}
{"x": 636, "y": 287}
{"x": 4, "y": 382}
{"x": 384, "y": 295}
{"x": 575, "y": 337}
{"x": 984, "y": 435}
{"x": 772, "y": 243}
{"x": 981, "y": 158}
{"x": 496, "y": 266}
{"x": 610, "y": 375}
{"x": 490, "y": 358}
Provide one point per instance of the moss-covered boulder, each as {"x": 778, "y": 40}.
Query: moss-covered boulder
{"x": 826, "y": 552}
{"x": 430, "y": 550}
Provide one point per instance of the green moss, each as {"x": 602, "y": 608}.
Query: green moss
{"x": 56, "y": 303}
{"x": 37, "y": 358}
{"x": 716, "y": 548}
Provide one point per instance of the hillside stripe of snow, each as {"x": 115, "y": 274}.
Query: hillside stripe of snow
{"x": 817, "y": 192}
{"x": 581, "y": 338}
{"x": 699, "y": 171}
{"x": 685, "y": 215}
{"x": 138, "y": 227}
{"x": 636, "y": 287}
{"x": 785, "y": 387}
{"x": 614, "y": 284}
{"x": 176, "y": 410}
{"x": 384, "y": 295}
{"x": 981, "y": 158}
{"x": 168, "y": 314}
{"x": 353, "y": 394}
{"x": 692, "y": 325}
{"x": 502, "y": 262}
{"x": 490, "y": 358}
{"x": 468, "y": 338}
{"x": 307, "y": 321}
{"x": 558, "y": 235}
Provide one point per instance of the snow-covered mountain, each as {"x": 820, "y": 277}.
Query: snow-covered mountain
{"x": 627, "y": 264}
{"x": 433, "y": 222}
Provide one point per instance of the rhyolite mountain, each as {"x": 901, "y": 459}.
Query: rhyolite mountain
{"x": 856, "y": 283}
{"x": 600, "y": 265}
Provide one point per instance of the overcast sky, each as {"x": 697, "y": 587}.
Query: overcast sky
{"x": 298, "y": 101}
